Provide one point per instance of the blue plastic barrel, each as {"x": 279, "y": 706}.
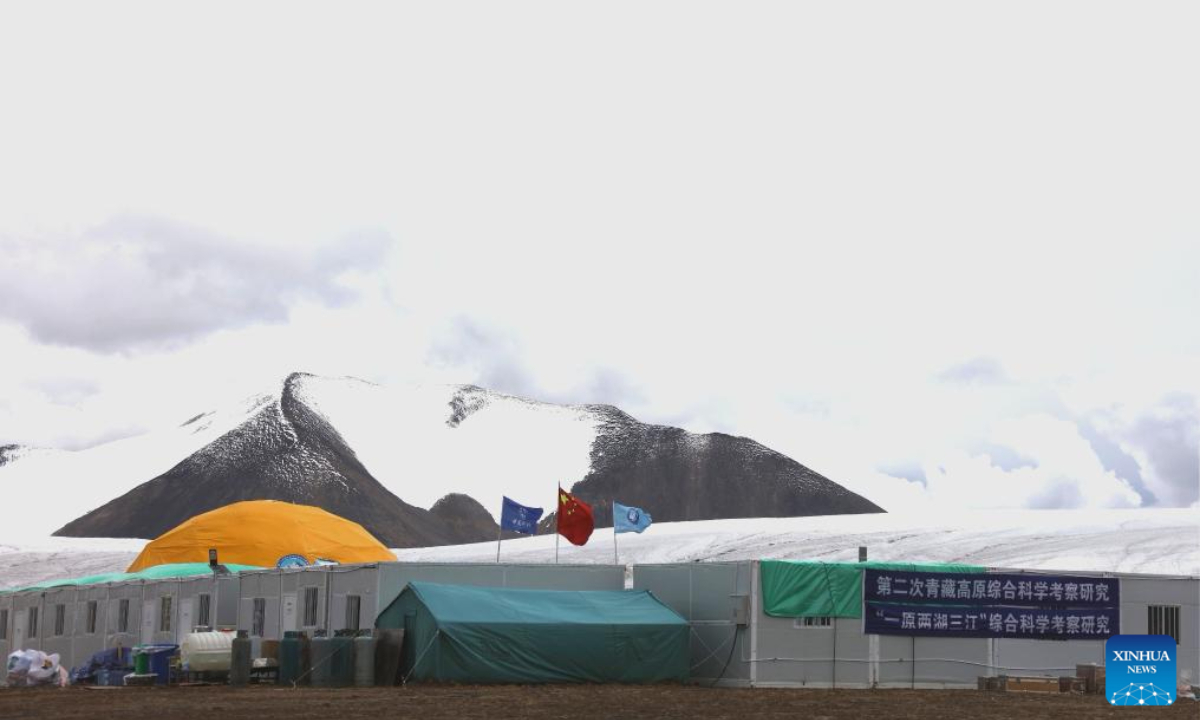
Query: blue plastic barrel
{"x": 160, "y": 660}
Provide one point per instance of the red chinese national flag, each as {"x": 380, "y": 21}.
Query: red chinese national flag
{"x": 575, "y": 521}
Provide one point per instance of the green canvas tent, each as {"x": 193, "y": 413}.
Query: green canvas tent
{"x": 461, "y": 633}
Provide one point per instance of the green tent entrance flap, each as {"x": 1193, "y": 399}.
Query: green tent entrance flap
{"x": 812, "y": 588}
{"x": 470, "y": 634}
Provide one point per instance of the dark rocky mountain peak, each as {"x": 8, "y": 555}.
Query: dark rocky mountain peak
{"x": 286, "y": 448}
{"x": 284, "y": 451}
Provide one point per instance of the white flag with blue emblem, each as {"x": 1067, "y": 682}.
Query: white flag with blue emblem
{"x": 629, "y": 519}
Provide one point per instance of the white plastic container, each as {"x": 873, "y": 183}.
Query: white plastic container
{"x": 207, "y": 652}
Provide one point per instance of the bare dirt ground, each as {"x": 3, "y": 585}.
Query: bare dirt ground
{"x": 545, "y": 702}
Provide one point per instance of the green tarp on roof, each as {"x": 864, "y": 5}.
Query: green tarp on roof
{"x": 158, "y": 572}
{"x": 461, "y": 633}
{"x": 812, "y": 588}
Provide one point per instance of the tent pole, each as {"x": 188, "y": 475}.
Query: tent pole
{"x": 557, "y": 512}
{"x": 499, "y": 534}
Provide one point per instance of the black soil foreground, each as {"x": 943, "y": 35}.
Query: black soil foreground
{"x": 544, "y": 702}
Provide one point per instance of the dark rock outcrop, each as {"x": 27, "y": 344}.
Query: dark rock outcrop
{"x": 8, "y": 453}
{"x": 678, "y": 475}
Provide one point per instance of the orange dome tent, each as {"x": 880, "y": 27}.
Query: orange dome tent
{"x": 261, "y": 532}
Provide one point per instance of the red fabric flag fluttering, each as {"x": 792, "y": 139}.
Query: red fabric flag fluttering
{"x": 575, "y": 521}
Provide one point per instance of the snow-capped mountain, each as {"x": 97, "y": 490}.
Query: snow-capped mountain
{"x": 1138, "y": 541}
{"x": 44, "y": 488}
{"x": 356, "y": 449}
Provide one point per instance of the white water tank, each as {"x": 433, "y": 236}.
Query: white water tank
{"x": 207, "y": 651}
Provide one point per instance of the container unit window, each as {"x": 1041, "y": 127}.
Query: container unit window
{"x": 205, "y": 610}
{"x": 92, "y": 611}
{"x": 813, "y": 622}
{"x": 3, "y": 624}
{"x": 353, "y": 611}
{"x": 60, "y": 620}
{"x": 310, "y": 606}
{"x": 33, "y": 623}
{"x": 164, "y": 614}
{"x": 1163, "y": 620}
{"x": 258, "y": 623}
{"x": 123, "y": 616}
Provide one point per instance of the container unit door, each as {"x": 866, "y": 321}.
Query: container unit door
{"x": 20, "y": 618}
{"x": 186, "y": 618}
{"x": 148, "y": 617}
{"x": 289, "y": 609}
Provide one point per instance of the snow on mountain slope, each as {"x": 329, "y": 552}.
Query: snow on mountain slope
{"x": 35, "y": 560}
{"x": 1145, "y": 541}
{"x": 1164, "y": 542}
{"x": 44, "y": 489}
{"x": 423, "y": 442}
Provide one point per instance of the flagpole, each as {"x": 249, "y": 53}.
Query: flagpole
{"x": 557, "y": 512}
{"x": 499, "y": 534}
{"x": 616, "y": 559}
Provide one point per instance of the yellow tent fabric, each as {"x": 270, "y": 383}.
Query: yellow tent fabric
{"x": 260, "y": 532}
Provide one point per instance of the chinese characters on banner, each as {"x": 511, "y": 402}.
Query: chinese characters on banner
{"x": 991, "y": 621}
{"x": 990, "y": 605}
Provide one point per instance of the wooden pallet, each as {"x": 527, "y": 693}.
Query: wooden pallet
{"x": 1027, "y": 684}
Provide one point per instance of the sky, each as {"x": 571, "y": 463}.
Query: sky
{"x": 942, "y": 253}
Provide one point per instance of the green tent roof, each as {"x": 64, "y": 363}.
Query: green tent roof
{"x": 462, "y": 633}
{"x": 158, "y": 572}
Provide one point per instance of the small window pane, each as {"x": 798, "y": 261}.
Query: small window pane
{"x": 3, "y": 624}
{"x": 202, "y": 617}
{"x": 164, "y": 615}
{"x": 259, "y": 621}
{"x": 353, "y": 608}
{"x": 92, "y": 607}
{"x": 310, "y": 607}
{"x": 813, "y": 622}
{"x": 123, "y": 616}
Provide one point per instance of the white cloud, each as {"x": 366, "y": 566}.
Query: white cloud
{"x": 1065, "y": 472}
{"x": 138, "y": 282}
{"x": 782, "y": 221}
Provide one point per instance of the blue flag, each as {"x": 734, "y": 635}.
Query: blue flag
{"x": 515, "y": 516}
{"x": 630, "y": 519}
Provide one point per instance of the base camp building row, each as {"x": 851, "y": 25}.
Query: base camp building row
{"x": 756, "y": 623}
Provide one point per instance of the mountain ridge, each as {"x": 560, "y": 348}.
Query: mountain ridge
{"x": 355, "y": 449}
